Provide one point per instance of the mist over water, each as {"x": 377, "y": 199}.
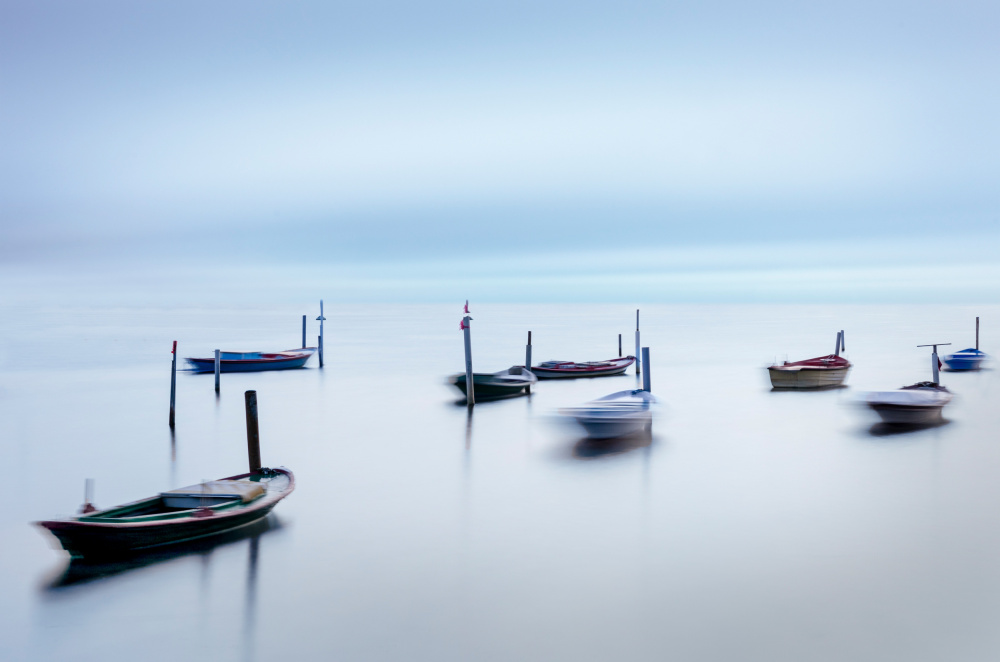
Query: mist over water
{"x": 751, "y": 525}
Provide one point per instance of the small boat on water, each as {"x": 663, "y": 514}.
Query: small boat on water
{"x": 917, "y": 404}
{"x": 254, "y": 361}
{"x": 503, "y": 384}
{"x": 571, "y": 369}
{"x": 967, "y": 359}
{"x": 615, "y": 415}
{"x": 173, "y": 516}
{"x": 820, "y": 372}
{"x": 178, "y": 515}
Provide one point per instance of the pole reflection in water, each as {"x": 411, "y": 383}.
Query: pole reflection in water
{"x": 250, "y": 610}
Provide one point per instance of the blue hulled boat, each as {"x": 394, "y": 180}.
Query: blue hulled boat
{"x": 967, "y": 359}
{"x": 254, "y": 361}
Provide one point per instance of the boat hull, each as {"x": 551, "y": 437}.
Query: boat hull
{"x": 249, "y": 365}
{"x": 807, "y": 378}
{"x": 503, "y": 384}
{"x": 908, "y": 414}
{"x": 618, "y": 367}
{"x": 83, "y": 538}
{"x": 609, "y": 428}
{"x": 967, "y": 359}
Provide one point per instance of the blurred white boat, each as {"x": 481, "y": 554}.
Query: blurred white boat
{"x": 614, "y": 415}
{"x": 918, "y": 404}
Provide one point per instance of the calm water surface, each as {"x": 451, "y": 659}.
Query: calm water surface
{"x": 752, "y": 525}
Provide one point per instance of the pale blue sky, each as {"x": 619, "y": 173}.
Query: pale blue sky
{"x": 394, "y": 132}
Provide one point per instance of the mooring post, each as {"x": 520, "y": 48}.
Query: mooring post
{"x": 173, "y": 382}
{"x": 836, "y": 350}
{"x": 934, "y": 365}
{"x": 645, "y": 373}
{"x": 638, "y": 358}
{"x": 303, "y": 332}
{"x": 527, "y": 358}
{"x": 619, "y": 345}
{"x": 843, "y": 346}
{"x": 470, "y": 396}
{"x": 218, "y": 368}
{"x": 321, "y": 319}
{"x": 977, "y": 334}
{"x": 253, "y": 432}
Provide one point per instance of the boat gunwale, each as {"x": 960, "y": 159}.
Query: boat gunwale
{"x": 85, "y": 521}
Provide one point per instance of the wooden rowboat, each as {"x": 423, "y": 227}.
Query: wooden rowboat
{"x": 503, "y": 384}
{"x": 179, "y": 515}
{"x": 571, "y": 369}
{"x": 820, "y": 372}
{"x": 254, "y": 361}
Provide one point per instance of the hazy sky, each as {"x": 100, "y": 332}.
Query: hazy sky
{"x": 373, "y": 132}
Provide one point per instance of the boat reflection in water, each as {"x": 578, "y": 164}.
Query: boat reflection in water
{"x": 81, "y": 570}
{"x": 589, "y": 448}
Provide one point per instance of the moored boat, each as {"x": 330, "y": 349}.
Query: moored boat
{"x": 966, "y": 359}
{"x": 917, "y": 404}
{"x": 505, "y": 383}
{"x": 254, "y": 361}
{"x": 970, "y": 358}
{"x": 571, "y": 369}
{"x": 614, "y": 415}
{"x": 174, "y": 516}
{"x": 820, "y": 372}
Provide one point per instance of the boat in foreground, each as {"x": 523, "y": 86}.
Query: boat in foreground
{"x": 614, "y": 415}
{"x": 505, "y": 383}
{"x": 820, "y": 372}
{"x": 254, "y": 361}
{"x": 174, "y": 516}
{"x": 917, "y": 404}
{"x": 571, "y": 369}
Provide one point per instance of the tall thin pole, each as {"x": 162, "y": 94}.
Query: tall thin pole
{"x": 619, "y": 345}
{"x": 218, "y": 368}
{"x": 173, "y": 382}
{"x": 843, "y": 345}
{"x": 470, "y": 396}
{"x": 836, "y": 350}
{"x": 303, "y": 332}
{"x": 321, "y": 319}
{"x": 645, "y": 374}
{"x": 638, "y": 358}
{"x": 977, "y": 334}
{"x": 527, "y": 358}
{"x": 934, "y": 365}
{"x": 253, "y": 431}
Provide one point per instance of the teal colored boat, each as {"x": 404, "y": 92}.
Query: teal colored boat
{"x": 179, "y": 515}
{"x": 503, "y": 384}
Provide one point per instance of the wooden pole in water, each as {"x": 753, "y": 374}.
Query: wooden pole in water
{"x": 527, "y": 358}
{"x": 843, "y": 346}
{"x": 619, "y": 345}
{"x": 836, "y": 350}
{"x": 253, "y": 432}
{"x": 173, "y": 382}
{"x": 303, "y": 332}
{"x": 321, "y": 319}
{"x": 638, "y": 358}
{"x": 470, "y": 396}
{"x": 218, "y": 368}
{"x": 645, "y": 374}
{"x": 977, "y": 334}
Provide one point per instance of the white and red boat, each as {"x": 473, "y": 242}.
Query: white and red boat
{"x": 572, "y": 369}
{"x": 820, "y": 372}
